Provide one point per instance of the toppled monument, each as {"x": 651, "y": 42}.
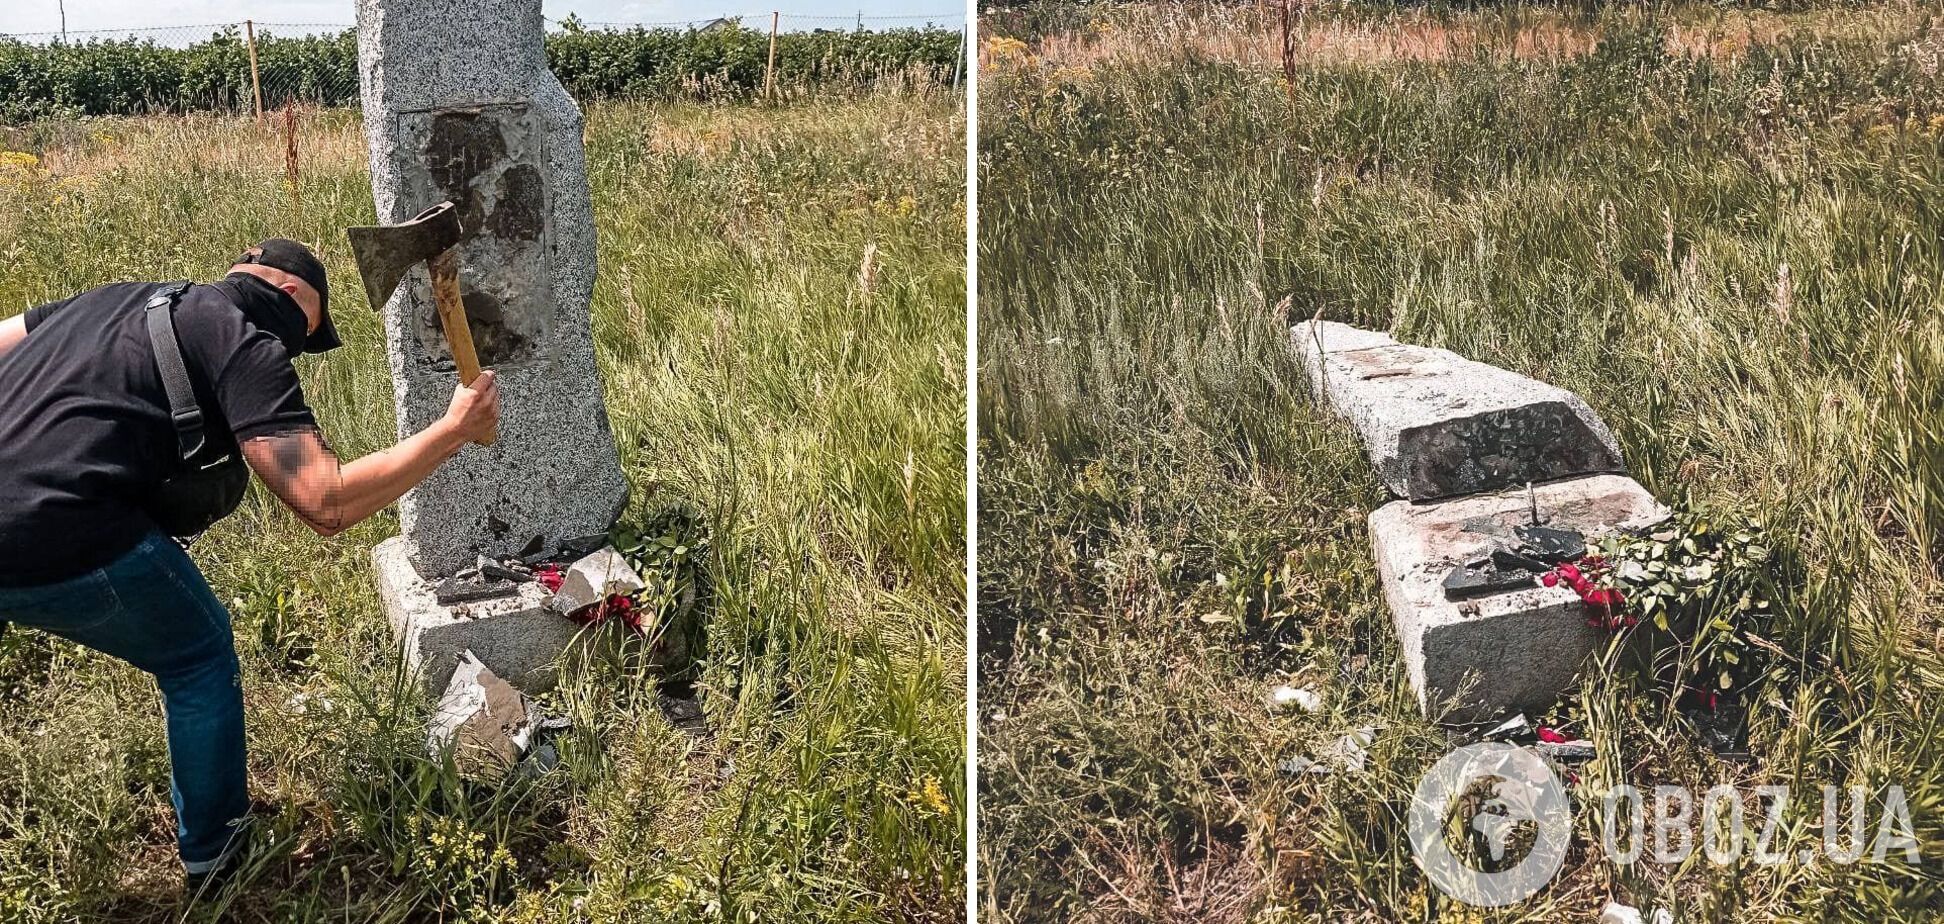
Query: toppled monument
{"x": 459, "y": 105}
{"x": 1500, "y": 477}
{"x": 1436, "y": 424}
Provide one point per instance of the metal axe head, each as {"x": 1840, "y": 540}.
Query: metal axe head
{"x": 385, "y": 252}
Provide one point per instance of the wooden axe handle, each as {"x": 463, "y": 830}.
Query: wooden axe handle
{"x": 452, "y": 317}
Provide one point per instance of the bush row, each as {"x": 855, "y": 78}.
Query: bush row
{"x": 120, "y": 77}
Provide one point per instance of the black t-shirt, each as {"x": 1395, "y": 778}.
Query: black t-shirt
{"x": 84, "y": 419}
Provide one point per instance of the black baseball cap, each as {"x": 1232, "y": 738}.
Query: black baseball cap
{"x": 297, "y": 260}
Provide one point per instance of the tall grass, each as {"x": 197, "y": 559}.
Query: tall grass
{"x": 811, "y": 428}
{"x": 1730, "y": 249}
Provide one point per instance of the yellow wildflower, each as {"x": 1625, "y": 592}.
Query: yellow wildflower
{"x": 929, "y": 795}
{"x": 1008, "y": 52}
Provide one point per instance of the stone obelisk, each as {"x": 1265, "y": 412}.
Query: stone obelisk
{"x": 459, "y": 104}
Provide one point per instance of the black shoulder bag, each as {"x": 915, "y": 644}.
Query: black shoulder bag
{"x": 205, "y": 487}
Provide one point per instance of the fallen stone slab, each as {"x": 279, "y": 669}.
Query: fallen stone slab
{"x": 1513, "y": 651}
{"x": 1436, "y": 424}
{"x": 482, "y": 720}
{"x": 515, "y": 636}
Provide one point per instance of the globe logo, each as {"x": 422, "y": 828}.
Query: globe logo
{"x": 1511, "y": 809}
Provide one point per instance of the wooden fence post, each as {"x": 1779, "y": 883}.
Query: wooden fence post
{"x": 958, "y": 63}
{"x": 290, "y": 157}
{"x": 769, "y": 73}
{"x": 256, "y": 80}
{"x": 1288, "y": 56}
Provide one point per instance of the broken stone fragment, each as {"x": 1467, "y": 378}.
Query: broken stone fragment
{"x": 537, "y": 559}
{"x": 1549, "y": 544}
{"x": 494, "y": 571}
{"x": 1514, "y": 560}
{"x": 1572, "y": 751}
{"x": 684, "y": 711}
{"x": 1514, "y": 727}
{"x": 455, "y": 590}
{"x": 593, "y": 579}
{"x": 482, "y": 720}
{"x": 1485, "y": 576}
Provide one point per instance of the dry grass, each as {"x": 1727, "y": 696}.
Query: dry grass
{"x": 1338, "y": 37}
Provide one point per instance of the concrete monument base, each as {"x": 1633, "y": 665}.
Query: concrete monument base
{"x": 515, "y": 636}
{"x": 1507, "y": 652}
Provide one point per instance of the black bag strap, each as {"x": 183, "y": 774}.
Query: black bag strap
{"x": 183, "y": 410}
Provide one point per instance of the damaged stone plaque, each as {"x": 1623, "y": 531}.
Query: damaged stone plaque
{"x": 459, "y": 104}
{"x": 484, "y": 159}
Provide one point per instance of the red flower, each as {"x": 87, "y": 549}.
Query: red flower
{"x": 616, "y": 607}
{"x": 1603, "y": 604}
{"x": 1552, "y": 737}
{"x": 550, "y": 577}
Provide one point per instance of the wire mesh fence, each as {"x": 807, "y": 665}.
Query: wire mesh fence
{"x": 263, "y": 66}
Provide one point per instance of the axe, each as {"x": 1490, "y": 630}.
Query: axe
{"x": 385, "y": 252}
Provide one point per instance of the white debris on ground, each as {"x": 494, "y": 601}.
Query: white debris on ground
{"x": 1510, "y": 728}
{"x": 1348, "y": 753}
{"x": 1617, "y": 913}
{"x": 1304, "y": 698}
{"x": 593, "y": 579}
{"x": 481, "y": 719}
{"x": 307, "y": 703}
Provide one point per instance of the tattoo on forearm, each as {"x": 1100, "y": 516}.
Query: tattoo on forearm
{"x": 300, "y": 468}
{"x": 289, "y": 452}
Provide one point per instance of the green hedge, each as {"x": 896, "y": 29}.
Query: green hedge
{"x": 120, "y": 77}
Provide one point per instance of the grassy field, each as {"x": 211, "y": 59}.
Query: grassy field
{"x": 1721, "y": 228}
{"x": 780, "y": 320}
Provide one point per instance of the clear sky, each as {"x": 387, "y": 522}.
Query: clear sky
{"x": 18, "y": 16}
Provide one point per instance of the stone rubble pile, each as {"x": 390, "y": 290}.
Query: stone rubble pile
{"x": 502, "y": 611}
{"x": 489, "y": 727}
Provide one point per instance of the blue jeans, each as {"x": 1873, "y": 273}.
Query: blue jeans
{"x": 152, "y": 608}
